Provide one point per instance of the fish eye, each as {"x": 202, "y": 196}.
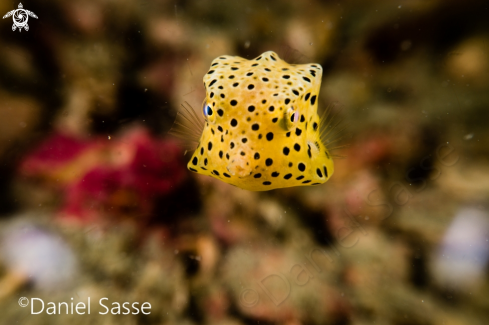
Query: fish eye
{"x": 294, "y": 116}
{"x": 207, "y": 110}
{"x": 291, "y": 117}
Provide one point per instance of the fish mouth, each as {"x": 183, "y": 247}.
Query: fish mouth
{"x": 239, "y": 166}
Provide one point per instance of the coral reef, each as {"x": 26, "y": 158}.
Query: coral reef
{"x": 97, "y": 202}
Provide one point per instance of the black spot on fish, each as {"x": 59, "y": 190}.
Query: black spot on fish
{"x": 313, "y": 100}
{"x": 318, "y": 171}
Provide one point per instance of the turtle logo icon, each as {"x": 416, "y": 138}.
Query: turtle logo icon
{"x": 20, "y": 16}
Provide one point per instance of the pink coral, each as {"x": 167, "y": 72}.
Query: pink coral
{"x": 57, "y": 150}
{"x": 120, "y": 177}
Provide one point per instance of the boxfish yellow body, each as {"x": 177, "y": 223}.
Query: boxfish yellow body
{"x": 262, "y": 128}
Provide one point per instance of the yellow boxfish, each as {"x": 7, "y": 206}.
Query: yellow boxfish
{"x": 261, "y": 128}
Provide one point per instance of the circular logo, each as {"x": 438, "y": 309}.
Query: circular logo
{"x": 20, "y": 18}
{"x": 23, "y": 302}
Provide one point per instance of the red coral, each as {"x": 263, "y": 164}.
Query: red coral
{"x": 53, "y": 152}
{"x": 120, "y": 177}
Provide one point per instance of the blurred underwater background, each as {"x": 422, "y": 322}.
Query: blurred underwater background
{"x": 96, "y": 200}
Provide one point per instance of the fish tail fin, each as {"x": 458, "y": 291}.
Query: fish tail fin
{"x": 187, "y": 127}
{"x": 333, "y": 130}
